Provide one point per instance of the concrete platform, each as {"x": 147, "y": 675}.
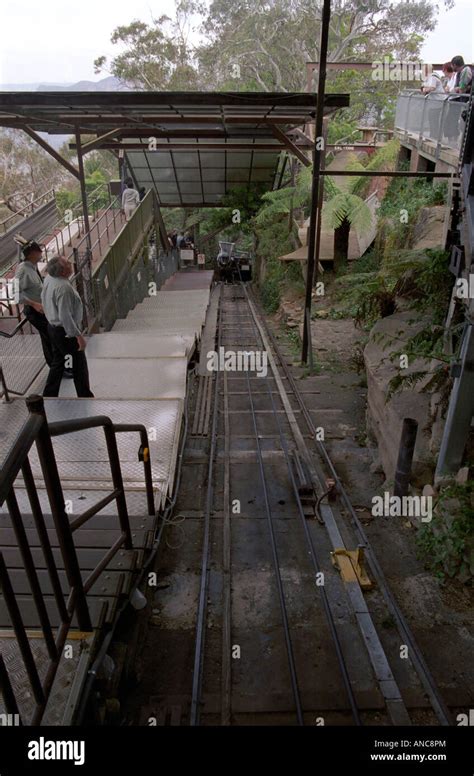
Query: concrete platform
{"x": 194, "y": 316}
{"x": 174, "y": 297}
{"x": 146, "y": 345}
{"x": 189, "y": 279}
{"x": 187, "y": 307}
{"x": 82, "y": 456}
{"x": 134, "y": 378}
{"x": 180, "y": 328}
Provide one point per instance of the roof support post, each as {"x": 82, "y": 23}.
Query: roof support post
{"x": 82, "y": 181}
{"x": 318, "y": 155}
{"x": 317, "y": 244}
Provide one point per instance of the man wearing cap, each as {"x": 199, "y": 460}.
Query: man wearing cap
{"x": 30, "y": 285}
{"x": 64, "y": 311}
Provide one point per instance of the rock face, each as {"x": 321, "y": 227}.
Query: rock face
{"x": 430, "y": 228}
{"x": 385, "y": 415}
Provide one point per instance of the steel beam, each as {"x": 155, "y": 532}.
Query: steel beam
{"x": 82, "y": 181}
{"x": 98, "y": 142}
{"x": 291, "y": 146}
{"x": 387, "y": 174}
{"x": 318, "y": 156}
{"x": 51, "y": 151}
{"x": 194, "y": 147}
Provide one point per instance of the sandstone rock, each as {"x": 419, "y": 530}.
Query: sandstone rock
{"x": 385, "y": 415}
{"x": 428, "y": 490}
{"x": 463, "y": 475}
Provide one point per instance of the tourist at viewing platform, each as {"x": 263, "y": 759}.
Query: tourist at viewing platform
{"x": 463, "y": 81}
{"x": 449, "y": 77}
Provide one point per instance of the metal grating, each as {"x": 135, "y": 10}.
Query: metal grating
{"x": 22, "y": 360}
{"x": 65, "y": 679}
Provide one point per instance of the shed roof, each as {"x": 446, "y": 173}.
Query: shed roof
{"x": 192, "y": 147}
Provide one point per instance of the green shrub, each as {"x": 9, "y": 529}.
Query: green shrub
{"x": 446, "y": 544}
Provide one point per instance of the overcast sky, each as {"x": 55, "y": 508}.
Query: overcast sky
{"x": 39, "y": 40}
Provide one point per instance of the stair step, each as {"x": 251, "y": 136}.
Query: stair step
{"x": 122, "y": 345}
{"x": 134, "y": 378}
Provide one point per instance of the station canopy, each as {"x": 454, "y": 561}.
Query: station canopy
{"x": 192, "y": 147}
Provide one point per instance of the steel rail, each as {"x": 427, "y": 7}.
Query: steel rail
{"x": 309, "y": 540}
{"x": 202, "y": 601}
{"x": 416, "y": 656}
{"x": 276, "y": 563}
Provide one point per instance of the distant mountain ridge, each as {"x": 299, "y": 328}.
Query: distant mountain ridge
{"x": 108, "y": 84}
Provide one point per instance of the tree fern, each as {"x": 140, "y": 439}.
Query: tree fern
{"x": 346, "y": 206}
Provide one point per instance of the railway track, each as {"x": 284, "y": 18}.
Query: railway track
{"x": 331, "y": 665}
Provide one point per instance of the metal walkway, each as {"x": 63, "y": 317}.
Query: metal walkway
{"x": 139, "y": 376}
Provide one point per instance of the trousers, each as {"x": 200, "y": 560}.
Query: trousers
{"x": 62, "y": 347}
{"x": 40, "y": 323}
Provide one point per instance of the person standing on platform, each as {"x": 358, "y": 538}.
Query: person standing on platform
{"x": 30, "y": 285}
{"x": 64, "y": 311}
{"x": 130, "y": 200}
{"x": 463, "y": 72}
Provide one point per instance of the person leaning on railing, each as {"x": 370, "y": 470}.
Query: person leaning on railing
{"x": 449, "y": 77}
{"x": 433, "y": 85}
{"x": 463, "y": 72}
{"x": 64, "y": 311}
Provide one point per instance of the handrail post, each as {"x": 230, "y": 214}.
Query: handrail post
{"x": 7, "y": 691}
{"x": 117, "y": 480}
{"x": 3, "y": 382}
{"x": 440, "y": 127}
{"x": 20, "y": 632}
{"x": 54, "y": 490}
{"x": 420, "y": 134}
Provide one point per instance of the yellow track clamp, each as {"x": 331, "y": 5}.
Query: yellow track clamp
{"x": 350, "y": 563}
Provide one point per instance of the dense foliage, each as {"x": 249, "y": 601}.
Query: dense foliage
{"x": 446, "y": 544}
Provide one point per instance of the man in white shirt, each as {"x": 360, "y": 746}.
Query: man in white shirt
{"x": 433, "y": 85}
{"x": 130, "y": 200}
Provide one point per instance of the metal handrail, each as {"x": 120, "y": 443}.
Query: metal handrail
{"x": 10, "y": 334}
{"x": 37, "y": 431}
{"x": 56, "y": 231}
{"x": 30, "y": 206}
{"x": 112, "y": 209}
{"x": 4, "y": 387}
{"x": 61, "y": 225}
{"x": 432, "y": 97}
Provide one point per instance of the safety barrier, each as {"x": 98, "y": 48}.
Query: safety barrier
{"x": 75, "y": 603}
{"x": 439, "y": 118}
{"x": 129, "y": 265}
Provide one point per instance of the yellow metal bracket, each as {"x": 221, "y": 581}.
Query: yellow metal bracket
{"x": 350, "y": 563}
